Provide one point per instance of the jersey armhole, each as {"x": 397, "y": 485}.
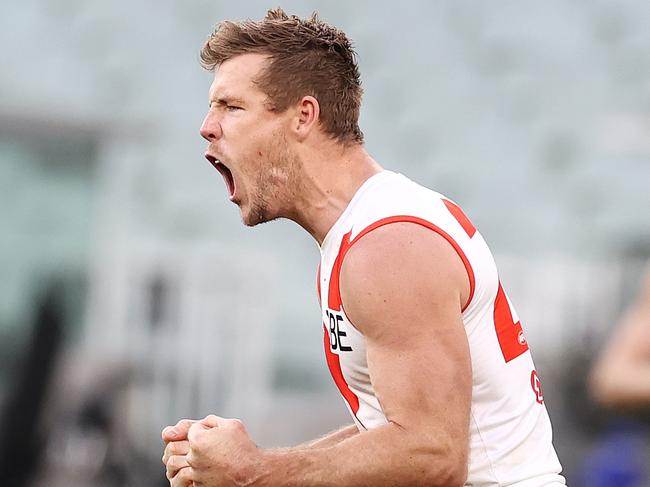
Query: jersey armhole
{"x": 346, "y": 244}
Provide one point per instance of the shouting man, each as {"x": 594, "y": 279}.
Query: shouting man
{"x": 420, "y": 337}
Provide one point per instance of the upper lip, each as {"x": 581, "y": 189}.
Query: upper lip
{"x": 213, "y": 159}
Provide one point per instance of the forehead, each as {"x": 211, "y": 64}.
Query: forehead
{"x": 238, "y": 74}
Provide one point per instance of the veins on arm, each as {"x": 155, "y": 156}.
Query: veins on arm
{"x": 330, "y": 439}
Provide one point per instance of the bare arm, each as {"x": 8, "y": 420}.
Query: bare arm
{"x": 621, "y": 377}
{"x": 177, "y": 446}
{"x": 403, "y": 287}
{"x": 331, "y": 438}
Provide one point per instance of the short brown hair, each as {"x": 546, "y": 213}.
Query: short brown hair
{"x": 306, "y": 57}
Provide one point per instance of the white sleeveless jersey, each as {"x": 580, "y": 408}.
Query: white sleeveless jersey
{"x": 510, "y": 440}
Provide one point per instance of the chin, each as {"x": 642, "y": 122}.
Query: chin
{"x": 253, "y": 218}
{"x": 250, "y": 223}
{"x": 257, "y": 216}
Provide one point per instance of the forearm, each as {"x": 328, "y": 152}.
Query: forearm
{"x": 330, "y": 439}
{"x": 385, "y": 456}
{"x": 621, "y": 377}
{"x": 622, "y": 385}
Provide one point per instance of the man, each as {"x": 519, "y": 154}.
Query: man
{"x": 419, "y": 336}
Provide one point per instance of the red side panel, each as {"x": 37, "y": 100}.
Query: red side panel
{"x": 334, "y": 365}
{"x": 510, "y": 334}
{"x": 334, "y": 304}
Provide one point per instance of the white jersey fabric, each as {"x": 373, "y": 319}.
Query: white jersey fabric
{"x": 510, "y": 441}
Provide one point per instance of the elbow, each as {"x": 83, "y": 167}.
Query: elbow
{"x": 445, "y": 468}
{"x": 458, "y": 473}
{"x": 453, "y": 474}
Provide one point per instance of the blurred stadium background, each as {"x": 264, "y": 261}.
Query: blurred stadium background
{"x": 131, "y": 295}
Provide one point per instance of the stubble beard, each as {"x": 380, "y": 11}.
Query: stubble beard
{"x": 275, "y": 185}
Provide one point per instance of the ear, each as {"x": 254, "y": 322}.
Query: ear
{"x": 307, "y": 116}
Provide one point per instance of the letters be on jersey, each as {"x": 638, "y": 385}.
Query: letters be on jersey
{"x": 338, "y": 337}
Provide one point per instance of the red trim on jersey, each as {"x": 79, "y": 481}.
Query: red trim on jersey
{"x": 510, "y": 334}
{"x": 334, "y": 303}
{"x": 458, "y": 214}
{"x": 334, "y": 296}
{"x": 334, "y": 364}
{"x": 334, "y": 292}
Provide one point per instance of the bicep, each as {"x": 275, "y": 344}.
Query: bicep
{"x": 403, "y": 287}
{"x": 425, "y": 382}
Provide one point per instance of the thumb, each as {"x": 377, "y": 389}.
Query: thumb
{"x": 178, "y": 432}
{"x": 211, "y": 421}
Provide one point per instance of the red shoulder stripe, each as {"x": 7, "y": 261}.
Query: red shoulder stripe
{"x": 458, "y": 214}
{"x": 334, "y": 297}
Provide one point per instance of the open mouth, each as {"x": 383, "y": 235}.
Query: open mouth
{"x": 225, "y": 173}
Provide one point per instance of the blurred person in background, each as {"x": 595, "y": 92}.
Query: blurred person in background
{"x": 621, "y": 376}
{"x": 435, "y": 371}
{"x": 620, "y": 381}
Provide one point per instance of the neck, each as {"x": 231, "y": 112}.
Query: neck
{"x": 328, "y": 181}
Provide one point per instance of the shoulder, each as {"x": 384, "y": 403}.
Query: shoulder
{"x": 399, "y": 269}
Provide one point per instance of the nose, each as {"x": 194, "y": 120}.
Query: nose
{"x": 211, "y": 128}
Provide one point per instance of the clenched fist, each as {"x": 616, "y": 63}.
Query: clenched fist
{"x": 211, "y": 452}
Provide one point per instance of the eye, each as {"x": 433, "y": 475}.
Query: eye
{"x": 233, "y": 108}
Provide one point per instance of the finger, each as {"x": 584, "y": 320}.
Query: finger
{"x": 175, "y": 448}
{"x": 175, "y": 464}
{"x": 178, "y": 432}
{"x": 196, "y": 430}
{"x": 183, "y": 478}
{"x": 212, "y": 421}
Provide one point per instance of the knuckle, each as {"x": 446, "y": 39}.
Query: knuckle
{"x": 170, "y": 450}
{"x": 170, "y": 472}
{"x": 196, "y": 436}
{"x": 167, "y": 452}
{"x": 178, "y": 448}
{"x": 238, "y": 424}
{"x": 192, "y": 459}
{"x": 175, "y": 464}
{"x": 184, "y": 475}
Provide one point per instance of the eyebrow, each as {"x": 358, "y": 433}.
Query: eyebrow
{"x": 226, "y": 100}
